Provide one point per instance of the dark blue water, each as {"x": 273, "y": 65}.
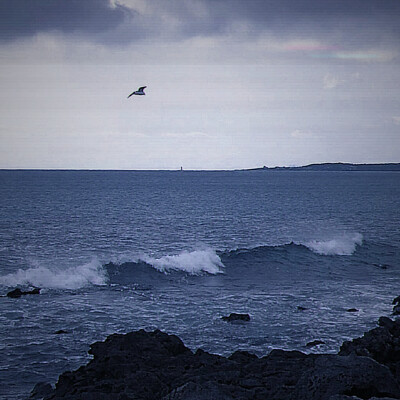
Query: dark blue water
{"x": 119, "y": 251}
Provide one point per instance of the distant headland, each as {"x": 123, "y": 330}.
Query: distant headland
{"x": 334, "y": 167}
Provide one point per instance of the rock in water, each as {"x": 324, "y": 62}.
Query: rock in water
{"x": 16, "y": 293}
{"x": 237, "y": 317}
{"x": 396, "y": 300}
{"x": 314, "y": 343}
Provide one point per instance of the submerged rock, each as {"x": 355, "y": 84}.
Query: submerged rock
{"x": 237, "y": 317}
{"x": 158, "y": 366}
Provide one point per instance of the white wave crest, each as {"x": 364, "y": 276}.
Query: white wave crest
{"x": 91, "y": 273}
{"x": 344, "y": 245}
{"x": 194, "y": 262}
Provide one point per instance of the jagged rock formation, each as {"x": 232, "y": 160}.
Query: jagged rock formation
{"x": 155, "y": 365}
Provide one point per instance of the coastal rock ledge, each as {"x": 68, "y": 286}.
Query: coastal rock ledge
{"x": 155, "y": 365}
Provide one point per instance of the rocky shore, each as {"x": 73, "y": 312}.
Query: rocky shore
{"x": 155, "y": 365}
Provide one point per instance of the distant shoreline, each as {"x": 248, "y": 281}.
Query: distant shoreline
{"x": 339, "y": 166}
{"x": 333, "y": 167}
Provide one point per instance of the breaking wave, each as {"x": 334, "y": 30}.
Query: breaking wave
{"x": 344, "y": 245}
{"x": 194, "y": 262}
{"x": 339, "y": 245}
{"x": 94, "y": 273}
{"x": 91, "y": 273}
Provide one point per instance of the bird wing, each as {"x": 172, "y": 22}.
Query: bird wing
{"x": 130, "y": 95}
{"x": 142, "y": 88}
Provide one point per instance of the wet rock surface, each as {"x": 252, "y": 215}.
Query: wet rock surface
{"x": 155, "y": 365}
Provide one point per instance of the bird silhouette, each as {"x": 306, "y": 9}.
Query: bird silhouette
{"x": 139, "y": 92}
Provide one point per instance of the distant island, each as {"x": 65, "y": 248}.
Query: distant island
{"x": 334, "y": 167}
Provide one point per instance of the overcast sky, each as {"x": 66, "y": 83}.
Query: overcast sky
{"x": 230, "y": 83}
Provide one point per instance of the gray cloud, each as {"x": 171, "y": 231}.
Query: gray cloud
{"x": 341, "y": 23}
{"x": 19, "y": 18}
{"x": 354, "y": 22}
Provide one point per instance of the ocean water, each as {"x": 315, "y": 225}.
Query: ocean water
{"x": 116, "y": 251}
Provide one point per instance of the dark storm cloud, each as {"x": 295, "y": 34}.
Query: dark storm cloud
{"x": 353, "y": 22}
{"x": 374, "y": 21}
{"x": 20, "y": 18}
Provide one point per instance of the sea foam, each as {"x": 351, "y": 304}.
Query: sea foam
{"x": 91, "y": 273}
{"x": 342, "y": 245}
{"x": 193, "y": 262}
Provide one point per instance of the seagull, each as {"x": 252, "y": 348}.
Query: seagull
{"x": 139, "y": 92}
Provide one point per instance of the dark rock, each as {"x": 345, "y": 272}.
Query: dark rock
{"x": 156, "y": 366}
{"x": 381, "y": 266}
{"x": 237, "y": 317}
{"x": 300, "y": 308}
{"x": 41, "y": 391}
{"x": 242, "y": 356}
{"x": 381, "y": 398}
{"x": 352, "y": 310}
{"x": 396, "y": 300}
{"x": 16, "y": 293}
{"x": 351, "y": 375}
{"x": 193, "y": 391}
{"x": 381, "y": 344}
{"x": 386, "y": 323}
{"x": 396, "y": 309}
{"x": 314, "y": 343}
{"x": 60, "y": 332}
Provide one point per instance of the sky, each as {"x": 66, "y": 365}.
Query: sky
{"x": 230, "y": 83}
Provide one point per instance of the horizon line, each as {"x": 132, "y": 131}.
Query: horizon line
{"x": 180, "y": 169}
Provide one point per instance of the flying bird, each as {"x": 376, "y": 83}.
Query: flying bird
{"x": 139, "y": 92}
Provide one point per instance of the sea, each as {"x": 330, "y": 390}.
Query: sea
{"x": 118, "y": 251}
